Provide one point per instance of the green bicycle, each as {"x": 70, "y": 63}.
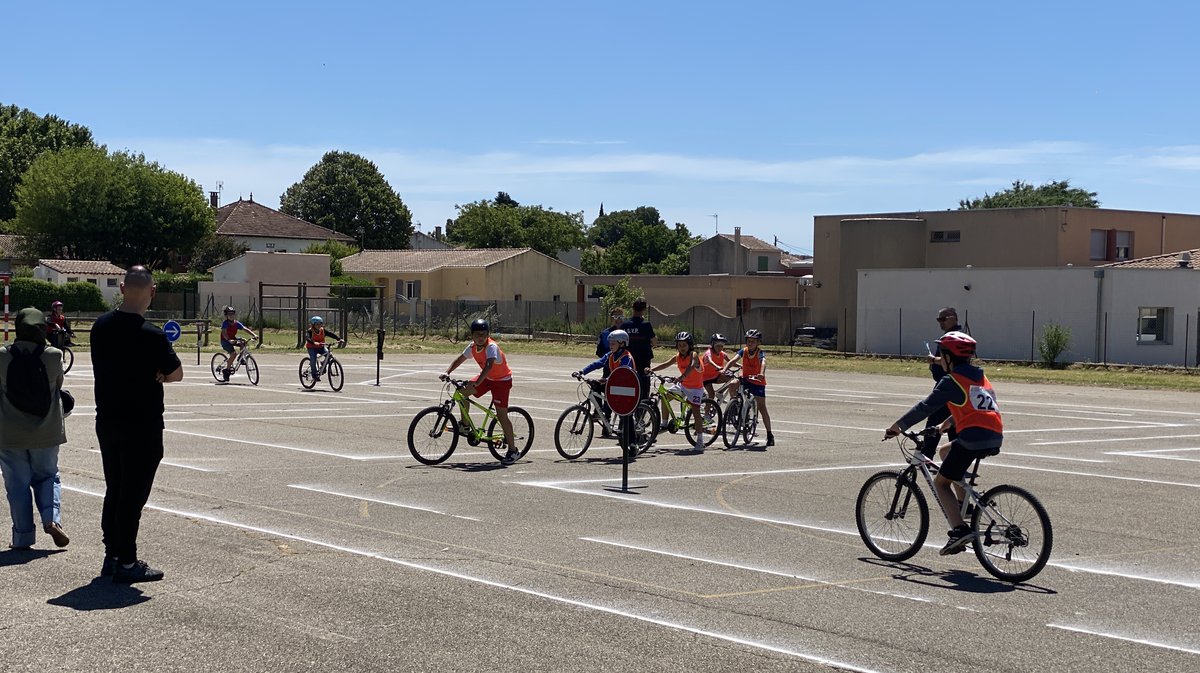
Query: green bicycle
{"x": 434, "y": 432}
{"x": 679, "y": 413}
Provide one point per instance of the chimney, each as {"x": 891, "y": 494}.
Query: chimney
{"x": 437, "y": 232}
{"x": 214, "y": 199}
{"x": 738, "y": 254}
{"x": 1185, "y": 260}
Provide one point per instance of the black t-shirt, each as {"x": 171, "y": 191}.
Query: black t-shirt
{"x": 640, "y": 333}
{"x": 127, "y": 355}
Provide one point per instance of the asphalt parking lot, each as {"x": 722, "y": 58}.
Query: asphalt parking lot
{"x": 297, "y": 533}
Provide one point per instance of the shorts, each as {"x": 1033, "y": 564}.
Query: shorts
{"x": 498, "y": 389}
{"x": 692, "y": 395}
{"x": 227, "y": 346}
{"x": 960, "y": 458}
{"x": 755, "y": 389}
{"x": 719, "y": 378}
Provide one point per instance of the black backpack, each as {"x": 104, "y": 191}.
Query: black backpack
{"x": 26, "y": 383}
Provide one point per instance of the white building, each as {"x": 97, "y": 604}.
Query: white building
{"x": 104, "y": 275}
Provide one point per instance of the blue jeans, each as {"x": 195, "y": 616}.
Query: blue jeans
{"x": 31, "y": 475}
{"x": 312, "y": 358}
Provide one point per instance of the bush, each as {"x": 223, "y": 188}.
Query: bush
{"x": 1053, "y": 342}
{"x": 179, "y": 282}
{"x": 40, "y": 293}
{"x": 355, "y": 287}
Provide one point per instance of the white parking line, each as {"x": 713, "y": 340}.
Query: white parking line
{"x": 1140, "y": 641}
{"x": 381, "y": 502}
{"x": 1113, "y": 439}
{"x": 1038, "y": 455}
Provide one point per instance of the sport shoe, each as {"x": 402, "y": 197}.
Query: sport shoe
{"x": 109, "y": 566}
{"x": 225, "y": 374}
{"x": 55, "y": 531}
{"x": 770, "y": 439}
{"x": 140, "y": 572}
{"x": 511, "y": 457}
{"x": 959, "y": 537}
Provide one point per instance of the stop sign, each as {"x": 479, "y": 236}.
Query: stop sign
{"x": 623, "y": 391}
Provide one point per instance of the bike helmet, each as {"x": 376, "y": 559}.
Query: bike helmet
{"x": 55, "y": 303}
{"x": 315, "y": 319}
{"x": 717, "y": 336}
{"x": 957, "y": 344}
{"x": 230, "y": 309}
{"x": 754, "y": 334}
{"x": 618, "y": 335}
{"x": 686, "y": 336}
{"x": 480, "y": 325}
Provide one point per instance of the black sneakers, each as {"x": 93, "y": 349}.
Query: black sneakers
{"x": 511, "y": 457}
{"x": 139, "y": 572}
{"x": 770, "y": 439}
{"x": 106, "y": 570}
{"x": 959, "y": 537}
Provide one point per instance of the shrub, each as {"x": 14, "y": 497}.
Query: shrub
{"x": 178, "y": 282}
{"x": 40, "y": 293}
{"x": 1053, "y": 342}
{"x": 355, "y": 287}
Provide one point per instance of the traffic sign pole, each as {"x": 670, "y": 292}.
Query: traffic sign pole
{"x": 622, "y": 392}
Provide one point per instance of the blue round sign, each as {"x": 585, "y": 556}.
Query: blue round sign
{"x": 172, "y": 330}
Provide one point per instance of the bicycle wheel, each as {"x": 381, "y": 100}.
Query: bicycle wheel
{"x": 432, "y": 435}
{"x": 522, "y": 432}
{"x": 645, "y": 426}
{"x": 892, "y": 528}
{"x": 731, "y": 429}
{"x": 218, "y": 366}
{"x": 573, "y": 432}
{"x": 334, "y": 374}
{"x": 251, "y": 369}
{"x": 711, "y": 415}
{"x": 68, "y": 359}
{"x": 750, "y": 422}
{"x": 1013, "y": 537}
{"x": 306, "y": 377}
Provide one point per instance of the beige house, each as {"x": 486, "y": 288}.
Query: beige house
{"x": 1005, "y": 237}
{"x": 235, "y": 281}
{"x": 263, "y": 229}
{"x": 104, "y": 275}
{"x": 508, "y": 274}
{"x": 734, "y": 254}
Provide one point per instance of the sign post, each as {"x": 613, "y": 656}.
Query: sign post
{"x": 378, "y": 352}
{"x": 622, "y": 392}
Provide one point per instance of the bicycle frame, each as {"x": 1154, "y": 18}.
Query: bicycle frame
{"x": 595, "y": 401}
{"x": 918, "y": 462}
{"x": 676, "y": 411}
{"x": 467, "y": 425}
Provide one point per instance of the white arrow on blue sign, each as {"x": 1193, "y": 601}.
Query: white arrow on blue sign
{"x": 172, "y": 330}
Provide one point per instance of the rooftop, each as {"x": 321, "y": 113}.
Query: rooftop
{"x": 421, "y": 261}
{"x": 247, "y": 218}
{"x": 82, "y": 266}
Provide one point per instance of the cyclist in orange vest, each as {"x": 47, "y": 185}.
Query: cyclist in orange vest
{"x": 712, "y": 363}
{"x": 754, "y": 377}
{"x": 975, "y": 417}
{"x": 690, "y": 384}
{"x": 494, "y": 377}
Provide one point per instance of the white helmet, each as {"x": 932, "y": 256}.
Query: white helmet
{"x": 619, "y": 335}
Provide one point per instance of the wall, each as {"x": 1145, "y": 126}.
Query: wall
{"x": 236, "y": 281}
{"x": 717, "y": 255}
{"x": 679, "y": 293}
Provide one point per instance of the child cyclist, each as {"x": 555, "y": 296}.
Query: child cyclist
{"x": 58, "y": 328}
{"x": 229, "y": 332}
{"x": 754, "y": 377}
{"x": 690, "y": 385}
{"x": 617, "y": 356}
{"x": 712, "y": 362}
{"x": 314, "y": 341}
{"x": 976, "y": 419}
{"x": 494, "y": 376}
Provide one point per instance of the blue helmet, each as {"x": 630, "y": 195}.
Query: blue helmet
{"x": 315, "y": 319}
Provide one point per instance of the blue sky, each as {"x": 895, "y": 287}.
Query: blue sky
{"x": 764, "y": 113}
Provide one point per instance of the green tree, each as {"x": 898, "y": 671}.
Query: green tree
{"x": 336, "y": 251}
{"x": 346, "y": 193}
{"x": 1025, "y": 195}
{"x": 84, "y": 203}
{"x": 24, "y": 136}
{"x": 212, "y": 250}
{"x": 637, "y": 241}
{"x": 493, "y": 224}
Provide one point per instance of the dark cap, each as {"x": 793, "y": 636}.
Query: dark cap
{"x": 31, "y": 325}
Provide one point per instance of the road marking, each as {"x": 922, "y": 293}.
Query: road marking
{"x": 169, "y": 463}
{"x": 710, "y": 475}
{"x": 1038, "y": 455}
{"x": 279, "y": 446}
{"x": 1140, "y": 641}
{"x": 379, "y": 501}
{"x": 1098, "y": 476}
{"x": 1113, "y": 439}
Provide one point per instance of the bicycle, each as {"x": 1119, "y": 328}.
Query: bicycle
{"x": 434, "y": 431}
{"x": 576, "y": 426}
{"x": 679, "y": 413}
{"x": 64, "y": 344}
{"x": 741, "y": 414}
{"x": 243, "y": 358}
{"x": 327, "y": 366}
{"x": 1012, "y": 532}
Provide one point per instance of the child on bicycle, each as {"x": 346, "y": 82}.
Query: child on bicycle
{"x": 754, "y": 376}
{"x": 712, "y": 364}
{"x": 314, "y": 341}
{"x": 58, "y": 328}
{"x": 229, "y": 332}
{"x": 690, "y": 385}
{"x": 617, "y": 356}
{"x": 495, "y": 376}
{"x": 976, "y": 419}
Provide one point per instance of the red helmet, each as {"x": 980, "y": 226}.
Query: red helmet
{"x": 958, "y": 344}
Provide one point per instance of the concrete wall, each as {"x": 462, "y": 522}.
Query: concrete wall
{"x": 672, "y": 294}
{"x": 532, "y": 275}
{"x": 236, "y": 281}
{"x": 718, "y": 255}
{"x": 109, "y": 284}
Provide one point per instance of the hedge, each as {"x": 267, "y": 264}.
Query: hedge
{"x": 77, "y": 297}
{"x": 179, "y": 282}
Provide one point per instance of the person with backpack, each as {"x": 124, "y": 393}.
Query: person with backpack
{"x": 31, "y": 430}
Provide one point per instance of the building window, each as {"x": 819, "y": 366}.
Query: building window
{"x": 1122, "y": 245}
{"x": 557, "y": 298}
{"x": 951, "y": 236}
{"x": 516, "y": 297}
{"x": 762, "y": 263}
{"x": 413, "y": 289}
{"x": 92, "y": 281}
{"x": 112, "y": 282}
{"x": 1110, "y": 245}
{"x": 1099, "y": 245}
{"x": 1154, "y": 325}
{"x": 72, "y": 280}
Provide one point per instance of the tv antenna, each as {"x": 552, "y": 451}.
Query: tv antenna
{"x": 716, "y": 226}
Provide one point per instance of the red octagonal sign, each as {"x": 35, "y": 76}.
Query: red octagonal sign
{"x": 623, "y": 390}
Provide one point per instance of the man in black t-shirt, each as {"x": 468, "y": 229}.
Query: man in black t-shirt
{"x": 131, "y": 359}
{"x": 641, "y": 342}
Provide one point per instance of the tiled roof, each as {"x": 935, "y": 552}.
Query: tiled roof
{"x": 1167, "y": 261}
{"x": 752, "y": 242}
{"x": 82, "y": 266}
{"x": 247, "y": 218}
{"x": 420, "y": 261}
{"x": 10, "y": 246}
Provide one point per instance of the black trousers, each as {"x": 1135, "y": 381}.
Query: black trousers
{"x": 131, "y": 456}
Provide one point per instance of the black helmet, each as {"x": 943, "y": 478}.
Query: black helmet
{"x": 686, "y": 336}
{"x": 717, "y": 336}
{"x": 480, "y": 325}
{"x": 754, "y": 334}
{"x": 230, "y": 309}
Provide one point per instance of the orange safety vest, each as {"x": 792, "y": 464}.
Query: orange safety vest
{"x": 499, "y": 368}
{"x": 752, "y": 365}
{"x": 316, "y": 337}
{"x": 979, "y": 410}
{"x": 712, "y": 362}
{"x": 693, "y": 380}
